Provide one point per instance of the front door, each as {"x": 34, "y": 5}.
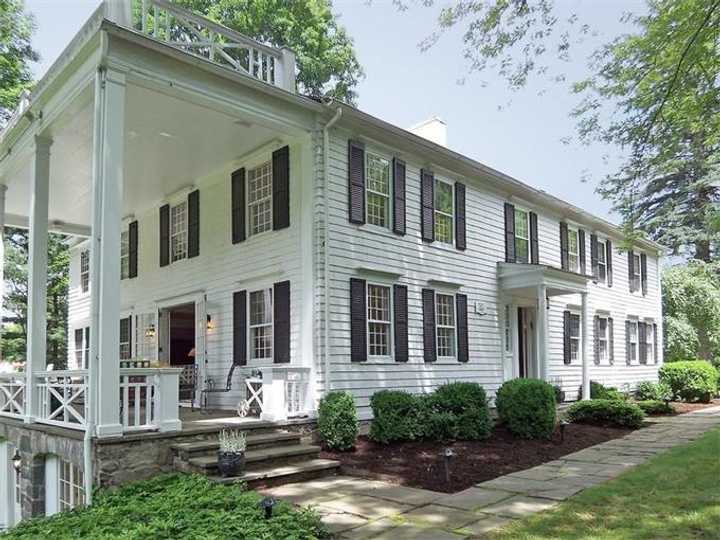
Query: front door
{"x": 526, "y": 342}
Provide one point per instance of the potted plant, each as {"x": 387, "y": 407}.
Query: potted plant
{"x": 231, "y": 454}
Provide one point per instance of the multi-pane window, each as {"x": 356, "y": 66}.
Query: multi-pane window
{"x": 508, "y": 334}
{"x": 124, "y": 255}
{"x": 636, "y": 272}
{"x": 259, "y": 198}
{"x": 574, "y": 336}
{"x": 633, "y": 341}
{"x": 71, "y": 486}
{"x": 261, "y": 324}
{"x": 85, "y": 270}
{"x": 602, "y": 260}
{"x": 649, "y": 343}
{"x": 573, "y": 251}
{"x": 125, "y": 339}
{"x": 444, "y": 212}
{"x": 378, "y": 317}
{"x": 82, "y": 347}
{"x": 603, "y": 341}
{"x": 522, "y": 236}
{"x": 445, "y": 325}
{"x": 378, "y": 190}
{"x": 178, "y": 232}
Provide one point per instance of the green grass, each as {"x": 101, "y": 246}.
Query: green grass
{"x": 175, "y": 506}
{"x": 676, "y": 495}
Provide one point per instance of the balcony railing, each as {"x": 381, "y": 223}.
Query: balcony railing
{"x": 12, "y": 394}
{"x": 278, "y": 392}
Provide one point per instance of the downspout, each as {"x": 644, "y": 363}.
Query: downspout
{"x": 326, "y": 255}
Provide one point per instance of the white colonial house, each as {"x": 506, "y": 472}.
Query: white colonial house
{"x": 238, "y": 245}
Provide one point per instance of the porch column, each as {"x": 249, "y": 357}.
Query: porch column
{"x": 37, "y": 272}
{"x": 3, "y": 190}
{"x": 542, "y": 326}
{"x": 585, "y": 348}
{"x": 109, "y": 152}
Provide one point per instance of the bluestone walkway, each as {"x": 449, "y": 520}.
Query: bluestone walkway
{"x": 354, "y": 508}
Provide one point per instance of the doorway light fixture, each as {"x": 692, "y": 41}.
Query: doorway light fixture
{"x": 17, "y": 461}
{"x": 210, "y": 323}
{"x": 150, "y": 331}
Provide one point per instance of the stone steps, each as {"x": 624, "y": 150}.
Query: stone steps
{"x": 270, "y": 476}
{"x": 272, "y": 439}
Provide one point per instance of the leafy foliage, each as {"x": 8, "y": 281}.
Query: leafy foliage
{"x": 606, "y": 412}
{"x": 174, "y": 506}
{"x": 690, "y": 380}
{"x": 655, "y": 407}
{"x": 467, "y": 403}
{"x": 652, "y": 391}
{"x": 337, "y": 420}
{"x": 326, "y": 61}
{"x": 16, "y": 54}
{"x": 397, "y": 416}
{"x": 600, "y": 391}
{"x": 527, "y": 407}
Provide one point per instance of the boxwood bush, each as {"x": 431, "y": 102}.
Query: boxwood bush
{"x": 653, "y": 407}
{"x": 467, "y": 402}
{"x": 652, "y": 391}
{"x": 600, "y": 391}
{"x": 693, "y": 380}
{"x": 397, "y": 416}
{"x": 337, "y": 420}
{"x": 527, "y": 407}
{"x": 606, "y": 412}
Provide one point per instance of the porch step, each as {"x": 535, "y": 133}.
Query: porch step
{"x": 271, "y": 439}
{"x": 262, "y": 457}
{"x": 268, "y": 476}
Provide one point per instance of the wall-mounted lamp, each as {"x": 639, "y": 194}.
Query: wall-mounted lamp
{"x": 210, "y": 323}
{"x": 150, "y": 331}
{"x": 17, "y": 461}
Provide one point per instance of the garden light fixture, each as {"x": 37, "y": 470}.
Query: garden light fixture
{"x": 563, "y": 425}
{"x": 447, "y": 455}
{"x": 267, "y": 504}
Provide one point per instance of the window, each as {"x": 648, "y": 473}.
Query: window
{"x": 633, "y": 341}
{"x": 636, "y": 272}
{"x": 260, "y": 198}
{"x": 508, "y": 335}
{"x": 445, "y": 325}
{"x": 444, "y": 212}
{"x": 124, "y": 255}
{"x": 522, "y": 236}
{"x": 574, "y": 336}
{"x": 602, "y": 260}
{"x": 125, "y": 340}
{"x": 82, "y": 347}
{"x": 378, "y": 317}
{"x": 649, "y": 343}
{"x": 178, "y": 232}
{"x": 71, "y": 486}
{"x": 261, "y": 324}
{"x": 573, "y": 251}
{"x": 85, "y": 270}
{"x": 378, "y": 190}
{"x": 603, "y": 341}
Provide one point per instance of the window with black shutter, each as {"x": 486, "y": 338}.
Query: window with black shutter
{"x": 572, "y": 337}
{"x": 165, "y": 235}
{"x": 655, "y": 343}
{"x": 643, "y": 273}
{"x": 642, "y": 342}
{"x": 281, "y": 188}
{"x": 631, "y": 341}
{"x": 594, "y": 265}
{"x": 237, "y": 202}
{"x": 429, "y": 342}
{"x": 611, "y": 341}
{"x": 608, "y": 262}
{"x": 534, "y": 241}
{"x": 400, "y": 311}
{"x": 564, "y": 257}
{"x": 398, "y": 213}
{"x": 581, "y": 250}
{"x": 281, "y": 321}
{"x": 460, "y": 219}
{"x": 358, "y": 320}
{"x": 567, "y": 344}
{"x": 193, "y": 223}
{"x": 427, "y": 205}
{"x": 133, "y": 249}
{"x": 126, "y": 338}
{"x": 240, "y": 329}
{"x": 509, "y": 233}
{"x": 463, "y": 353}
{"x": 356, "y": 182}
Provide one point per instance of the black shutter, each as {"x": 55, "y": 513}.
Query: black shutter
{"x": 399, "y": 171}
{"x": 655, "y": 343}
{"x": 281, "y": 188}
{"x": 165, "y": 235}
{"x": 628, "y": 356}
{"x": 534, "y": 243}
{"x": 608, "y": 262}
{"x": 358, "y": 321}
{"x": 356, "y": 181}
{"x": 281, "y": 322}
{"x": 427, "y": 199}
{"x": 463, "y": 353}
{"x": 564, "y": 256}
{"x": 133, "y": 249}
{"x": 643, "y": 273}
{"x": 509, "y": 233}
{"x": 130, "y": 334}
{"x": 631, "y": 270}
{"x": 240, "y": 328}
{"x": 566, "y": 336}
{"x": 596, "y": 341}
{"x": 400, "y": 306}
{"x": 428, "y": 303}
{"x": 611, "y": 340}
{"x": 594, "y": 257}
{"x": 237, "y": 195}
{"x": 642, "y": 342}
{"x": 581, "y": 251}
{"x": 460, "y": 220}
{"x": 193, "y": 249}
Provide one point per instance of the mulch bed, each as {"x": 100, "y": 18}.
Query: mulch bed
{"x": 682, "y": 407}
{"x": 419, "y": 464}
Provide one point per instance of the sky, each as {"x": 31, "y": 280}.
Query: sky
{"x": 519, "y": 133}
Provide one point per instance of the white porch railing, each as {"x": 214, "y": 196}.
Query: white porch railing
{"x": 279, "y": 392}
{"x": 12, "y": 394}
{"x": 198, "y": 35}
{"x": 62, "y": 398}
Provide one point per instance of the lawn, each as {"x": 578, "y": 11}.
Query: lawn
{"x": 674, "y": 496}
{"x": 175, "y": 506}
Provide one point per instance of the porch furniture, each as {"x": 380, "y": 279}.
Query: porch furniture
{"x": 188, "y": 384}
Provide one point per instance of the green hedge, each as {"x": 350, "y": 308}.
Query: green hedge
{"x": 606, "y": 412}
{"x": 600, "y": 391}
{"x": 173, "y": 506}
{"x": 652, "y": 391}
{"x": 397, "y": 416}
{"x": 527, "y": 407}
{"x": 467, "y": 403}
{"x": 337, "y": 421}
{"x": 652, "y": 407}
{"x": 693, "y": 380}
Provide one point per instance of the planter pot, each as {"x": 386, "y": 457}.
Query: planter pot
{"x": 231, "y": 464}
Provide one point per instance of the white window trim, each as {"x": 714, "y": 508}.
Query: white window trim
{"x": 261, "y": 361}
{"x": 391, "y": 323}
{"x": 516, "y": 236}
{"x": 574, "y": 267}
{"x": 602, "y": 248}
{"x": 182, "y": 232}
{"x": 637, "y": 272}
{"x": 438, "y": 326}
{"x": 579, "y": 338}
{"x": 129, "y": 342}
{"x": 76, "y": 486}
{"x": 84, "y": 347}
{"x": 635, "y": 360}
{"x": 388, "y": 196}
{"x": 85, "y": 273}
{"x": 124, "y": 254}
{"x": 451, "y": 216}
{"x": 257, "y": 164}
{"x": 605, "y": 336}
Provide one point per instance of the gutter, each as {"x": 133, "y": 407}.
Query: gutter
{"x": 326, "y": 254}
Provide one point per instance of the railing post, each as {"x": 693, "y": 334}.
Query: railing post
{"x": 287, "y": 71}
{"x": 273, "y": 396}
{"x": 167, "y": 400}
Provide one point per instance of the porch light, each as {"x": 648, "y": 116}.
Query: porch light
{"x": 17, "y": 461}
{"x": 210, "y": 323}
{"x": 267, "y": 504}
{"x": 150, "y": 331}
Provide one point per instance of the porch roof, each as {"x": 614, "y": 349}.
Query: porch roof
{"x": 516, "y": 277}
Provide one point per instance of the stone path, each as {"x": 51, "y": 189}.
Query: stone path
{"x": 354, "y": 508}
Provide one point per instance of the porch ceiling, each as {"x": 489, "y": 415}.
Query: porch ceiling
{"x": 524, "y": 279}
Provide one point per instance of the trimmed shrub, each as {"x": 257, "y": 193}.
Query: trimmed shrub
{"x": 397, "y": 416}
{"x": 337, "y": 420}
{"x": 694, "y": 380}
{"x": 651, "y": 391}
{"x": 468, "y": 403}
{"x": 600, "y": 391}
{"x": 527, "y": 407}
{"x": 441, "y": 426}
{"x": 653, "y": 407}
{"x": 606, "y": 412}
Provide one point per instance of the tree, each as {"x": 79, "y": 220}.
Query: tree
{"x": 16, "y": 54}
{"x": 326, "y": 61}
{"x": 16, "y": 297}
{"x": 654, "y": 93}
